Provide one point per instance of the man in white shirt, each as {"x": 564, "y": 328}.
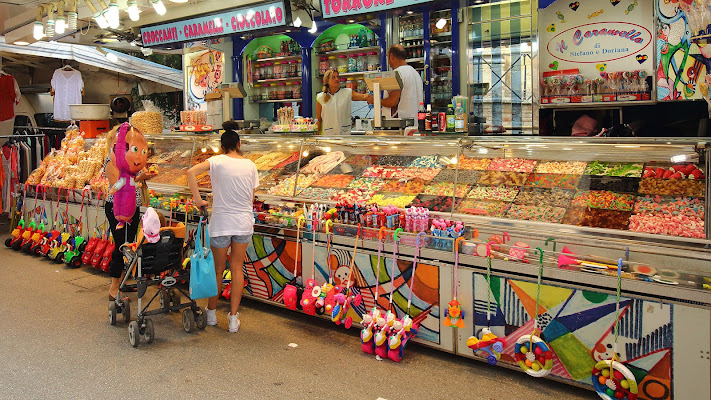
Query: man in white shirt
{"x": 403, "y": 103}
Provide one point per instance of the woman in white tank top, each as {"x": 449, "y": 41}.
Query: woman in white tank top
{"x": 333, "y": 105}
{"x": 234, "y": 180}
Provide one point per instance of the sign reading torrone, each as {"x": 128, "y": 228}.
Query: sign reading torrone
{"x": 341, "y": 8}
{"x": 264, "y": 15}
{"x": 599, "y": 42}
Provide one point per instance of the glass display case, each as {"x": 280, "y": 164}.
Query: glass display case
{"x": 641, "y": 189}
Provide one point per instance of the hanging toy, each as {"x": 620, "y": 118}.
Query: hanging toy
{"x": 610, "y": 378}
{"x": 324, "y": 290}
{"x": 130, "y": 155}
{"x": 291, "y": 296}
{"x": 311, "y": 290}
{"x": 453, "y": 315}
{"x": 345, "y": 299}
{"x": 404, "y": 330}
{"x": 533, "y": 355}
{"x": 383, "y": 323}
{"x": 485, "y": 340}
{"x": 366, "y": 334}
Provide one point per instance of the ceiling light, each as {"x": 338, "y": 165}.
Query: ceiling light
{"x": 204, "y": 149}
{"x": 305, "y": 153}
{"x": 350, "y": 21}
{"x": 158, "y": 6}
{"x": 112, "y": 15}
{"x": 49, "y": 30}
{"x": 297, "y": 22}
{"x": 38, "y": 31}
{"x": 98, "y": 15}
{"x": 21, "y": 43}
{"x": 441, "y": 23}
{"x": 72, "y": 15}
{"x": 313, "y": 28}
{"x": 60, "y": 25}
{"x": 409, "y": 12}
{"x": 327, "y": 149}
{"x": 132, "y": 10}
{"x": 178, "y": 1}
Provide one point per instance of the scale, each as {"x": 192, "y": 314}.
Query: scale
{"x": 225, "y": 92}
{"x": 385, "y": 80}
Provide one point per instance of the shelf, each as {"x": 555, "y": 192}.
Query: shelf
{"x": 285, "y": 58}
{"x": 402, "y": 39}
{"x": 443, "y": 34}
{"x": 345, "y": 74}
{"x": 439, "y": 42}
{"x": 280, "y": 101}
{"x": 414, "y": 47}
{"x": 349, "y": 51}
{"x": 277, "y": 80}
{"x": 441, "y": 57}
{"x": 599, "y": 104}
{"x": 414, "y": 60}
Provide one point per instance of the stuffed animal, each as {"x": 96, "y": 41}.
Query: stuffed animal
{"x": 151, "y": 225}
{"x": 130, "y": 155}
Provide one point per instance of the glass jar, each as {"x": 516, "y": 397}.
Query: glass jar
{"x": 332, "y": 62}
{"x": 281, "y": 91}
{"x": 373, "y": 61}
{"x": 256, "y": 72}
{"x": 256, "y": 93}
{"x": 362, "y": 62}
{"x": 296, "y": 90}
{"x": 294, "y": 68}
{"x": 353, "y": 63}
{"x": 273, "y": 92}
{"x": 264, "y": 92}
{"x": 342, "y": 64}
{"x": 289, "y": 91}
{"x": 268, "y": 71}
{"x": 278, "y": 70}
{"x": 362, "y": 86}
{"x": 323, "y": 65}
{"x": 351, "y": 84}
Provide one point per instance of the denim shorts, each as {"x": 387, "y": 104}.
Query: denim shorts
{"x": 221, "y": 242}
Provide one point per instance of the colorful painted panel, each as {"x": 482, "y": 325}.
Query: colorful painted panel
{"x": 682, "y": 65}
{"x": 204, "y": 72}
{"x": 579, "y": 327}
{"x": 424, "y": 308}
{"x": 269, "y": 267}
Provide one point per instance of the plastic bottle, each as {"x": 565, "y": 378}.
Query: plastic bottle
{"x": 428, "y": 119}
{"x": 450, "y": 118}
{"x": 421, "y": 113}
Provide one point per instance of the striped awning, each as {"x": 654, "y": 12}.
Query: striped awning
{"x": 89, "y": 55}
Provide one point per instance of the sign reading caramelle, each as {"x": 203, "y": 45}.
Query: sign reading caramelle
{"x": 341, "y": 8}
{"x": 264, "y": 15}
{"x": 599, "y": 42}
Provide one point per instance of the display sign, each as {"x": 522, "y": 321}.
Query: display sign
{"x": 204, "y": 74}
{"x": 261, "y": 16}
{"x": 605, "y": 49}
{"x": 342, "y": 8}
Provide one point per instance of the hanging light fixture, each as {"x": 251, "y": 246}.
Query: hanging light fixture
{"x": 441, "y": 23}
{"x": 158, "y": 6}
{"x": 49, "y": 30}
{"x": 98, "y": 15}
{"x": 38, "y": 31}
{"x": 132, "y": 10}
{"x": 297, "y": 22}
{"x": 60, "y": 25}
{"x": 112, "y": 15}
{"x": 72, "y": 15}
{"x": 313, "y": 28}
{"x": 178, "y": 1}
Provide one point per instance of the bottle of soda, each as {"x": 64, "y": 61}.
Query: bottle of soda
{"x": 435, "y": 122}
{"x": 450, "y": 118}
{"x": 421, "y": 117}
{"x": 428, "y": 118}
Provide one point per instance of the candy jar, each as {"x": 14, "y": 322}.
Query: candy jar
{"x": 332, "y": 62}
{"x": 373, "y": 61}
{"x": 362, "y": 62}
{"x": 268, "y": 71}
{"x": 351, "y": 84}
{"x": 342, "y": 64}
{"x": 256, "y": 93}
{"x": 256, "y": 72}
{"x": 281, "y": 91}
{"x": 273, "y": 95}
{"x": 323, "y": 65}
{"x": 289, "y": 91}
{"x": 353, "y": 63}
{"x": 362, "y": 87}
{"x": 296, "y": 90}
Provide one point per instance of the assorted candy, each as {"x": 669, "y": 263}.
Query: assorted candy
{"x": 426, "y": 162}
{"x": 597, "y": 218}
{"x": 368, "y": 184}
{"x": 434, "y": 203}
{"x": 681, "y": 216}
{"x": 400, "y": 161}
{"x": 383, "y": 172}
{"x": 480, "y": 164}
{"x": 672, "y": 187}
{"x": 614, "y": 169}
{"x": 445, "y": 189}
{"x": 493, "y": 193}
{"x": 316, "y": 193}
{"x": 512, "y": 164}
{"x": 604, "y": 199}
{"x": 485, "y": 208}
{"x": 498, "y": 178}
{"x": 412, "y": 186}
{"x": 397, "y": 201}
{"x": 541, "y": 213}
{"x": 562, "y": 181}
{"x": 689, "y": 171}
{"x": 611, "y": 183}
{"x": 334, "y": 181}
{"x": 561, "y": 167}
{"x": 465, "y": 176}
{"x": 550, "y": 197}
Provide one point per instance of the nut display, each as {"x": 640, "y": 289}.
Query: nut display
{"x": 148, "y": 122}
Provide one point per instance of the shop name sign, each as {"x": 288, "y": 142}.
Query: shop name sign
{"x": 341, "y": 8}
{"x": 264, "y": 15}
{"x": 599, "y": 42}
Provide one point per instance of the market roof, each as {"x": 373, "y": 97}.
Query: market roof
{"x": 90, "y": 55}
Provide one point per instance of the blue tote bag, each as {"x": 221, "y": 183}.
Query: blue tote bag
{"x": 203, "y": 281}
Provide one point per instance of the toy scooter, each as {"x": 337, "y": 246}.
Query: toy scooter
{"x": 59, "y": 243}
{"x": 31, "y": 230}
{"x": 105, "y": 259}
{"x": 41, "y": 230}
{"x": 20, "y": 229}
{"x": 76, "y": 245}
{"x": 383, "y": 323}
{"x": 94, "y": 240}
{"x": 291, "y": 295}
{"x": 47, "y": 242}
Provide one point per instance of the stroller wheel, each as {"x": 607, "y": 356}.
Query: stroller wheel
{"x": 200, "y": 319}
{"x": 149, "y": 332}
{"x": 126, "y": 311}
{"x": 133, "y": 336}
{"x": 112, "y": 313}
{"x": 188, "y": 320}
{"x": 175, "y": 297}
{"x": 164, "y": 300}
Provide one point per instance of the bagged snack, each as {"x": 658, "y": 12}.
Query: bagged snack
{"x": 149, "y": 121}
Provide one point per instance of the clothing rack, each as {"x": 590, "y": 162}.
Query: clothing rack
{"x": 18, "y": 136}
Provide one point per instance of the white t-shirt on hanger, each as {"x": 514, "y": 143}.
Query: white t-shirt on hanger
{"x": 67, "y": 86}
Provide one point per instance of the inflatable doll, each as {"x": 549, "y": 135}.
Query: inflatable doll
{"x": 131, "y": 154}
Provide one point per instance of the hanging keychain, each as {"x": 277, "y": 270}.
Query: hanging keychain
{"x": 533, "y": 355}
{"x": 453, "y": 315}
{"x": 612, "y": 379}
{"x": 485, "y": 340}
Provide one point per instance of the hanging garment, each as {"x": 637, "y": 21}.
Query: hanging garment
{"x": 67, "y": 86}
{"x": 9, "y": 97}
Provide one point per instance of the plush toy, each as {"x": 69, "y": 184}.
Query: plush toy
{"x": 130, "y": 155}
{"x": 151, "y": 225}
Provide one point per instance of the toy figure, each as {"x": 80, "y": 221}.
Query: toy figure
{"x": 453, "y": 315}
{"x": 151, "y": 226}
{"x": 130, "y": 156}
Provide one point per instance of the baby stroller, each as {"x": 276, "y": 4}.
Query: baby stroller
{"x": 156, "y": 264}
